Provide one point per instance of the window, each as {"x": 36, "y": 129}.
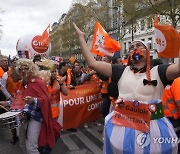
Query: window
{"x": 124, "y": 31}
{"x": 142, "y": 25}
{"x": 149, "y": 23}
{"x": 125, "y": 47}
{"x": 115, "y": 25}
{"x": 150, "y": 43}
{"x": 129, "y": 31}
{"x": 129, "y": 44}
{"x": 142, "y": 39}
{"x": 135, "y": 28}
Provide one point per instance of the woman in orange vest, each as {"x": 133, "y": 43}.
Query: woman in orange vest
{"x": 104, "y": 82}
{"x": 56, "y": 86}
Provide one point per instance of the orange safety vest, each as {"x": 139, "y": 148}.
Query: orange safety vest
{"x": 12, "y": 86}
{"x": 125, "y": 61}
{"x": 175, "y": 91}
{"x": 2, "y": 71}
{"x": 69, "y": 75}
{"x": 54, "y": 96}
{"x": 171, "y": 100}
{"x": 104, "y": 84}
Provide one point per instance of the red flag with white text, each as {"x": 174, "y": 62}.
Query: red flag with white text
{"x": 45, "y": 38}
{"x": 103, "y": 44}
{"x": 167, "y": 40}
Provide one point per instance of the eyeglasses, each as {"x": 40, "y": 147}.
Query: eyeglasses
{"x": 54, "y": 71}
{"x": 23, "y": 68}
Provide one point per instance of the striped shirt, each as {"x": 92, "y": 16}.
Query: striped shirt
{"x": 33, "y": 111}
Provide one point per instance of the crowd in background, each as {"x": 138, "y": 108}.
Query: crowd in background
{"x": 15, "y": 75}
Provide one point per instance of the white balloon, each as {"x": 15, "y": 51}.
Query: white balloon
{"x": 28, "y": 46}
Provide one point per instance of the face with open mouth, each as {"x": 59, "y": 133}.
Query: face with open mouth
{"x": 138, "y": 51}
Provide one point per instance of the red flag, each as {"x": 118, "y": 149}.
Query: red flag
{"x": 103, "y": 44}
{"x": 167, "y": 40}
{"x": 44, "y": 38}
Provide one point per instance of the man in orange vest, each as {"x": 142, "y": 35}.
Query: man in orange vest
{"x": 3, "y": 65}
{"x": 171, "y": 104}
{"x": 171, "y": 100}
{"x": 64, "y": 70}
{"x": 117, "y": 59}
{"x": 3, "y": 68}
{"x": 104, "y": 81}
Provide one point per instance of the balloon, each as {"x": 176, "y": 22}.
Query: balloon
{"x": 28, "y": 46}
{"x": 72, "y": 59}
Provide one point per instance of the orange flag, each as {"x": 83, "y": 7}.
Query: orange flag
{"x": 167, "y": 40}
{"x": 103, "y": 44}
{"x": 44, "y": 38}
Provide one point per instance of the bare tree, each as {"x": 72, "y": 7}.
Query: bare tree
{"x": 168, "y": 8}
{"x": 84, "y": 15}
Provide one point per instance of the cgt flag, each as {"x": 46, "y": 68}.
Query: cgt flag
{"x": 103, "y": 44}
{"x": 167, "y": 40}
{"x": 45, "y": 38}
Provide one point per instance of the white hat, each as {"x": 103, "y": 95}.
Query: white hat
{"x": 144, "y": 43}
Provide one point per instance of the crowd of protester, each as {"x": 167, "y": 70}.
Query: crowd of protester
{"x": 140, "y": 83}
{"x": 41, "y": 81}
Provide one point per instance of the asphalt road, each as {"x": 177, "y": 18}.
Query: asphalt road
{"x": 83, "y": 141}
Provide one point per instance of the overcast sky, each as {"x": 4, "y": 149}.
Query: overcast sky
{"x": 23, "y": 17}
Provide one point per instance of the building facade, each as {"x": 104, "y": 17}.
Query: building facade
{"x": 141, "y": 29}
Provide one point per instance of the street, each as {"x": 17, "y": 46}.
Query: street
{"x": 83, "y": 141}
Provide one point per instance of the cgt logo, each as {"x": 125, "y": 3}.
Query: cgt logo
{"x": 143, "y": 140}
{"x": 37, "y": 46}
{"x": 160, "y": 40}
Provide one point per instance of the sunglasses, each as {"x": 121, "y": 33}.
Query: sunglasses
{"x": 23, "y": 68}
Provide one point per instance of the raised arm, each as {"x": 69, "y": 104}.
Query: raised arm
{"x": 173, "y": 71}
{"x": 99, "y": 66}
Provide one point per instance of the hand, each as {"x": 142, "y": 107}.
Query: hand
{"x": 71, "y": 87}
{"x": 78, "y": 31}
{"x": 29, "y": 100}
{"x": 63, "y": 78}
{"x": 59, "y": 81}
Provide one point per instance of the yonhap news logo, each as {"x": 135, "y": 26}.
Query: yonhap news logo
{"x": 144, "y": 140}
